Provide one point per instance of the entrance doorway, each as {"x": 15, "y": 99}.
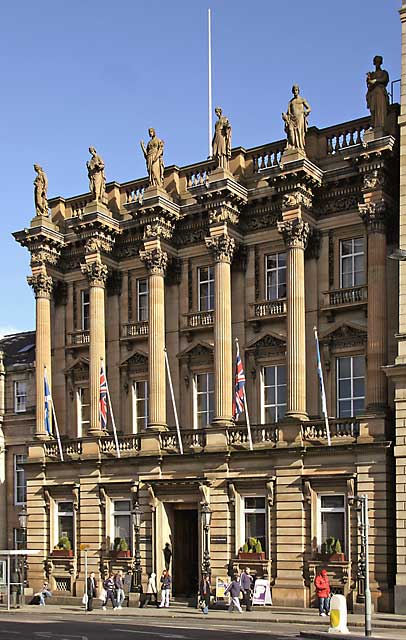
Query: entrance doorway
{"x": 185, "y": 552}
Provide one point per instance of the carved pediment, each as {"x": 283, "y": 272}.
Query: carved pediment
{"x": 78, "y": 371}
{"x": 345, "y": 335}
{"x": 201, "y": 352}
{"x": 269, "y": 343}
{"x": 137, "y": 361}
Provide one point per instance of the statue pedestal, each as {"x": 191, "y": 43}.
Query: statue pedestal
{"x": 373, "y": 134}
{"x": 292, "y": 155}
{"x": 154, "y": 191}
{"x": 97, "y": 206}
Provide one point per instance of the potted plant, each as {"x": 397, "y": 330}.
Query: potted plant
{"x": 121, "y": 548}
{"x": 331, "y": 549}
{"x": 63, "y": 549}
{"x": 251, "y": 550}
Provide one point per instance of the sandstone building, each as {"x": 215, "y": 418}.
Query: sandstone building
{"x": 261, "y": 249}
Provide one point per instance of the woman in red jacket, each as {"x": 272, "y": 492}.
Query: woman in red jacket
{"x": 323, "y": 592}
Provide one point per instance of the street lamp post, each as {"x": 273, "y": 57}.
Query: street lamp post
{"x": 136, "y": 578}
{"x": 206, "y": 521}
{"x": 361, "y": 503}
{"x": 23, "y": 521}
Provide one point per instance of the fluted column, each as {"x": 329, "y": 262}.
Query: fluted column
{"x": 42, "y": 286}
{"x": 295, "y": 233}
{"x": 156, "y": 261}
{"x": 222, "y": 248}
{"x": 373, "y": 215}
{"x": 96, "y": 273}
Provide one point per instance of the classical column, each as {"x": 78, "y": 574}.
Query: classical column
{"x": 42, "y": 286}
{"x": 222, "y": 248}
{"x": 156, "y": 261}
{"x": 373, "y": 215}
{"x": 295, "y": 233}
{"x": 96, "y": 273}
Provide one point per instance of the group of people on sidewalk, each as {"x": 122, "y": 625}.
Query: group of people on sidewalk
{"x": 113, "y": 590}
{"x": 241, "y": 584}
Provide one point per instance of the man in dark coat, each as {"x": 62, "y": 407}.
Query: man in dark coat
{"x": 91, "y": 591}
{"x": 246, "y": 581}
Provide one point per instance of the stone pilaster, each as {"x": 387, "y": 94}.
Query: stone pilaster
{"x": 96, "y": 273}
{"x": 42, "y": 286}
{"x": 373, "y": 215}
{"x": 156, "y": 261}
{"x": 295, "y": 234}
{"x": 222, "y": 248}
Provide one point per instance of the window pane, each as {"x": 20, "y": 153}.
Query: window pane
{"x": 344, "y": 409}
{"x": 65, "y": 507}
{"x": 358, "y": 366}
{"x": 344, "y": 367}
{"x": 255, "y": 527}
{"x": 332, "y": 501}
{"x": 344, "y": 388}
{"x": 122, "y": 527}
{"x": 332, "y": 526}
{"x": 122, "y": 505}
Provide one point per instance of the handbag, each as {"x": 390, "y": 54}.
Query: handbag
{"x": 103, "y": 595}
{"x": 85, "y": 598}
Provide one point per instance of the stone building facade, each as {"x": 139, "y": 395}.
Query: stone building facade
{"x": 262, "y": 252}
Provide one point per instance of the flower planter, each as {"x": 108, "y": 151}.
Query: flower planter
{"x": 121, "y": 554}
{"x": 337, "y": 557}
{"x": 242, "y": 555}
{"x": 62, "y": 553}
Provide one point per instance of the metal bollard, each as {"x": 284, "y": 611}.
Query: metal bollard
{"x": 338, "y": 614}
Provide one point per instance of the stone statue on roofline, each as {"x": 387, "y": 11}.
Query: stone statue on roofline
{"x": 97, "y": 178}
{"x": 153, "y": 154}
{"x": 296, "y": 120}
{"x": 222, "y": 140}
{"x": 377, "y": 95}
{"x": 40, "y": 192}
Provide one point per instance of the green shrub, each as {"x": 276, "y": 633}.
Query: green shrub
{"x": 123, "y": 545}
{"x": 64, "y": 543}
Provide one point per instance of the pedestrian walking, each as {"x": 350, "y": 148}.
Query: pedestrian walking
{"x": 166, "y": 582}
{"x": 234, "y": 589}
{"x": 246, "y": 582}
{"x": 91, "y": 591}
{"x": 322, "y": 584}
{"x": 151, "y": 591}
{"x": 119, "y": 586}
{"x": 108, "y": 585}
{"x": 204, "y": 593}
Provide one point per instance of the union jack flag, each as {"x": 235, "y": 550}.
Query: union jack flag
{"x": 103, "y": 399}
{"x": 239, "y": 399}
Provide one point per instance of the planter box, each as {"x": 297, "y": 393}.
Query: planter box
{"x": 337, "y": 557}
{"x": 62, "y": 553}
{"x": 242, "y": 555}
{"x": 121, "y": 554}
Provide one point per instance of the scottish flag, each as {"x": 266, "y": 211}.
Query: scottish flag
{"x": 47, "y": 401}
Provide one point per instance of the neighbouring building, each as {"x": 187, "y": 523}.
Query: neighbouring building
{"x": 262, "y": 245}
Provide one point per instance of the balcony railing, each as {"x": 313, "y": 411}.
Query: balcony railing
{"x": 349, "y": 296}
{"x": 135, "y": 329}
{"x": 262, "y": 433}
{"x": 70, "y": 448}
{"x": 200, "y": 319}
{"x": 79, "y": 338}
{"x": 126, "y": 444}
{"x": 340, "y": 428}
{"x": 269, "y": 308}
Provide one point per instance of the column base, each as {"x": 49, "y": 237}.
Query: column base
{"x": 157, "y": 426}
{"x": 296, "y": 416}
{"x": 223, "y": 421}
{"x": 97, "y": 433}
{"x": 42, "y": 436}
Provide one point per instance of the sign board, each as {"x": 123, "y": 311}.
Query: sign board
{"x": 262, "y": 592}
{"x": 221, "y": 586}
{"x": 84, "y": 547}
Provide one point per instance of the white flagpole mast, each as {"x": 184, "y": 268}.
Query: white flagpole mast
{"x": 173, "y": 402}
{"x": 58, "y": 438}
{"x": 322, "y": 388}
{"x": 209, "y": 87}
{"x": 247, "y": 417}
{"x": 111, "y": 412}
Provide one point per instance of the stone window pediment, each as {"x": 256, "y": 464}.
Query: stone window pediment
{"x": 200, "y": 353}
{"x": 137, "y": 362}
{"x": 270, "y": 344}
{"x": 78, "y": 371}
{"x": 345, "y": 335}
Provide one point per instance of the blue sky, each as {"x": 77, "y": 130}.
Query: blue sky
{"x": 76, "y": 73}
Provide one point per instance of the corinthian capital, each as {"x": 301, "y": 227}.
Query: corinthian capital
{"x": 221, "y": 247}
{"x": 41, "y": 284}
{"x": 155, "y": 260}
{"x": 373, "y": 216}
{"x": 295, "y": 233}
{"x": 96, "y": 273}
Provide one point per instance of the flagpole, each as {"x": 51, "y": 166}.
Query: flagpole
{"x": 247, "y": 417}
{"x": 209, "y": 81}
{"x": 322, "y": 388}
{"x": 173, "y": 401}
{"x": 111, "y": 412}
{"x": 58, "y": 438}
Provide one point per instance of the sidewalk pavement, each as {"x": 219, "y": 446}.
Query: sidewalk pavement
{"x": 281, "y": 615}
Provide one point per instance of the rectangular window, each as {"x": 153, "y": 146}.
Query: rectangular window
{"x": 255, "y": 520}
{"x": 142, "y": 300}
{"x": 352, "y": 263}
{"x": 65, "y": 524}
{"x": 121, "y": 521}
{"x": 206, "y": 288}
{"x": 83, "y": 410}
{"x": 275, "y": 276}
{"x": 19, "y": 538}
{"x": 203, "y": 399}
{"x": 332, "y": 520}
{"x": 273, "y": 393}
{"x": 350, "y": 386}
{"x": 140, "y": 405}
{"x": 20, "y": 396}
{"x": 20, "y": 485}
{"x": 85, "y": 310}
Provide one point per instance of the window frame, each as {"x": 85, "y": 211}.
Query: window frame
{"x": 135, "y": 404}
{"x": 80, "y": 423}
{"x": 343, "y": 510}
{"x": 277, "y": 270}
{"x": 142, "y": 295}
{"x": 57, "y": 534}
{"x": 351, "y": 356}
{"x": 210, "y": 281}
{"x": 85, "y": 316}
{"x": 352, "y": 255}
{"x": 243, "y": 535}
{"x": 113, "y": 513}
{"x": 209, "y": 395}
{"x": 16, "y": 474}
{"x": 18, "y": 396}
{"x": 277, "y": 404}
